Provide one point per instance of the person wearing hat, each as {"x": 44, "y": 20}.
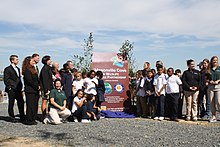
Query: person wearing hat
{"x": 200, "y": 65}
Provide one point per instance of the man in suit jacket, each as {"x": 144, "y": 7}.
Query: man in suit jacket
{"x": 13, "y": 86}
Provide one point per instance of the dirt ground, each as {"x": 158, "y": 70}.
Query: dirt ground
{"x": 7, "y": 141}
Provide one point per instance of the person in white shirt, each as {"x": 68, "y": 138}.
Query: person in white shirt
{"x": 159, "y": 87}
{"x": 36, "y": 58}
{"x": 78, "y": 83}
{"x": 141, "y": 95}
{"x": 150, "y": 94}
{"x": 173, "y": 94}
{"x": 79, "y": 110}
{"x": 90, "y": 84}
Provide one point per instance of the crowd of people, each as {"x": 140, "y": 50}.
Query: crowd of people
{"x": 66, "y": 93}
{"x": 161, "y": 94}
{"x": 70, "y": 95}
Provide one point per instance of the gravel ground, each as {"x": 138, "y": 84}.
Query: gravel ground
{"x": 113, "y": 132}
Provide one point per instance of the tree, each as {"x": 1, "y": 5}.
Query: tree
{"x": 127, "y": 51}
{"x": 83, "y": 63}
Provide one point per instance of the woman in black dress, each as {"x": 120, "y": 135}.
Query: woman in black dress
{"x": 32, "y": 87}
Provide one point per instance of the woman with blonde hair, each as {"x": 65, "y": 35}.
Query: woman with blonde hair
{"x": 214, "y": 87}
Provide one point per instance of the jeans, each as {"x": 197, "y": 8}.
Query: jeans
{"x": 150, "y": 105}
{"x": 80, "y": 113}
{"x": 159, "y": 105}
{"x": 202, "y": 109}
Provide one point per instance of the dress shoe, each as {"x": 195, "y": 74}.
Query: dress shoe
{"x": 175, "y": 119}
{"x": 12, "y": 119}
{"x": 30, "y": 123}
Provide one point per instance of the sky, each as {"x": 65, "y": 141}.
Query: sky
{"x": 169, "y": 30}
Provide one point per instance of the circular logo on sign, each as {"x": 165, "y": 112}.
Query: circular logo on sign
{"x": 108, "y": 88}
{"x": 119, "y": 87}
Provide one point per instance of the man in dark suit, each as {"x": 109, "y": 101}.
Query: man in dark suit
{"x": 13, "y": 86}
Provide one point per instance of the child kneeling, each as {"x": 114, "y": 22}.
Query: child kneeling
{"x": 79, "y": 110}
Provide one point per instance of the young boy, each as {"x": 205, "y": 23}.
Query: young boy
{"x": 149, "y": 87}
{"x": 159, "y": 87}
{"x": 140, "y": 93}
{"x": 173, "y": 94}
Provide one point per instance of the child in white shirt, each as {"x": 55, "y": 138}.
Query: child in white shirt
{"x": 78, "y": 83}
{"x": 159, "y": 87}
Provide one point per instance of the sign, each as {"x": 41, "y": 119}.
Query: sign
{"x": 115, "y": 76}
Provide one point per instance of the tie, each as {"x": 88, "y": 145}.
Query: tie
{"x": 37, "y": 69}
{"x": 17, "y": 71}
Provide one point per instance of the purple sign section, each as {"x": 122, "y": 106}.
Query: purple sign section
{"x": 115, "y": 76}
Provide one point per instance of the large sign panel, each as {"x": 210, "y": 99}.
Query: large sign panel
{"x": 115, "y": 71}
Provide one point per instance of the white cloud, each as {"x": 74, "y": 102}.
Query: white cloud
{"x": 51, "y": 25}
{"x": 164, "y": 16}
{"x": 60, "y": 42}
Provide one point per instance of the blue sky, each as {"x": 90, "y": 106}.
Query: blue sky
{"x": 168, "y": 30}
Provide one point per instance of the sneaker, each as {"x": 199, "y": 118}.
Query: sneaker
{"x": 205, "y": 117}
{"x": 12, "y": 119}
{"x": 161, "y": 118}
{"x": 64, "y": 121}
{"x": 156, "y": 118}
{"x": 195, "y": 118}
{"x": 75, "y": 119}
{"x": 187, "y": 118}
{"x": 149, "y": 117}
{"x": 85, "y": 121}
{"x": 212, "y": 120}
{"x": 46, "y": 121}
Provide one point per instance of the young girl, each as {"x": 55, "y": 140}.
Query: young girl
{"x": 92, "y": 109}
{"x": 100, "y": 89}
{"x": 78, "y": 83}
{"x": 79, "y": 110}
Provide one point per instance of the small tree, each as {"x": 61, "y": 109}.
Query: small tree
{"x": 83, "y": 63}
{"x": 127, "y": 51}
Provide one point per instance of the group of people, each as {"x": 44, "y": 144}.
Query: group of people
{"x": 161, "y": 94}
{"x": 66, "y": 93}
{"x": 77, "y": 96}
